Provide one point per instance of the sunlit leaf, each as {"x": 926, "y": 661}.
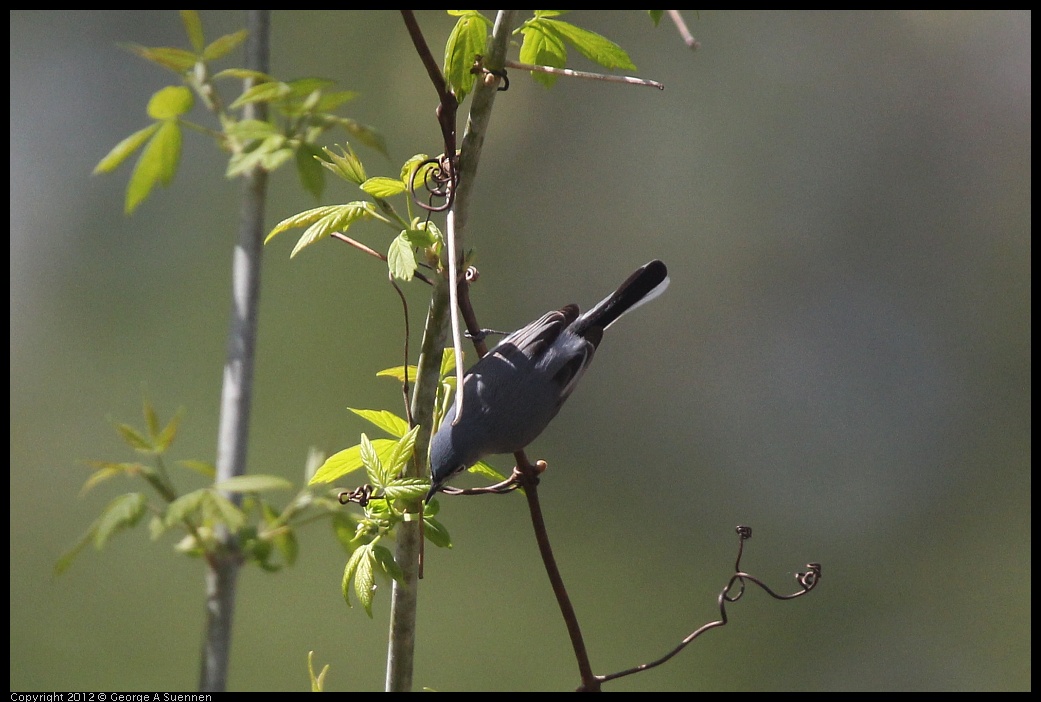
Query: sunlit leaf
{"x": 469, "y": 38}
{"x": 401, "y": 259}
{"x": 381, "y": 186}
{"x": 123, "y": 149}
{"x": 591, "y": 45}
{"x": 170, "y": 102}
{"x": 123, "y": 512}
{"x": 157, "y": 164}
{"x": 343, "y": 462}
{"x": 193, "y": 26}
{"x": 385, "y": 420}
{"x": 179, "y": 61}
{"x": 222, "y": 46}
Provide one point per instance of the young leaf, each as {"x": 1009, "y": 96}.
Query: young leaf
{"x": 436, "y": 533}
{"x": 317, "y": 683}
{"x": 542, "y": 48}
{"x": 157, "y": 164}
{"x": 222, "y": 46}
{"x": 347, "y": 461}
{"x": 134, "y": 439}
{"x": 593, "y": 46}
{"x": 365, "y": 581}
{"x": 312, "y": 177}
{"x": 169, "y": 432}
{"x": 364, "y": 133}
{"x": 339, "y": 219}
{"x": 469, "y": 38}
{"x": 400, "y": 455}
{"x": 398, "y": 373}
{"x": 123, "y": 512}
{"x": 406, "y": 488}
{"x": 385, "y": 559}
{"x": 66, "y": 559}
{"x": 184, "y": 506}
{"x": 302, "y": 219}
{"x": 193, "y": 26}
{"x": 170, "y": 102}
{"x": 219, "y": 509}
{"x": 384, "y": 419}
{"x": 179, "y": 61}
{"x": 655, "y": 16}
{"x": 203, "y": 468}
{"x": 447, "y": 362}
{"x": 123, "y": 149}
{"x": 346, "y": 164}
{"x": 371, "y": 461}
{"x": 401, "y": 259}
{"x": 381, "y": 186}
{"x": 350, "y": 569}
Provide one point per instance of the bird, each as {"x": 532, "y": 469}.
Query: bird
{"x": 511, "y": 394}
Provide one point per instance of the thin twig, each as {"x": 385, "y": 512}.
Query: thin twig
{"x": 681, "y": 27}
{"x": 571, "y": 73}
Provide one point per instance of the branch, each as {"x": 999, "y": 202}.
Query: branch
{"x": 237, "y": 391}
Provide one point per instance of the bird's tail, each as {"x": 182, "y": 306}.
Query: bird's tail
{"x": 646, "y": 283}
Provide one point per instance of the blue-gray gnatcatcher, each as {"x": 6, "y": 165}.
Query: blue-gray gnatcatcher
{"x": 512, "y": 393}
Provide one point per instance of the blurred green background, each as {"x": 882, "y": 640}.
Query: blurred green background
{"x": 842, "y": 361}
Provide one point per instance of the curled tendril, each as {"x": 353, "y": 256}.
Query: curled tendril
{"x": 472, "y": 274}
{"x": 734, "y": 590}
{"x": 361, "y": 495}
{"x": 439, "y": 182}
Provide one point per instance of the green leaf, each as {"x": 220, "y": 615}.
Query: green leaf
{"x": 193, "y": 26}
{"x": 385, "y": 559}
{"x": 593, "y": 46}
{"x": 542, "y": 48}
{"x": 427, "y": 234}
{"x": 201, "y": 467}
{"x": 123, "y": 149}
{"x": 401, "y": 259}
{"x": 365, "y": 581}
{"x": 122, "y": 513}
{"x": 104, "y": 470}
{"x": 360, "y": 554}
{"x": 486, "y": 470}
{"x": 317, "y": 683}
{"x": 221, "y": 510}
{"x": 371, "y": 461}
{"x": 264, "y": 92}
{"x": 346, "y": 164}
{"x": 168, "y": 434}
{"x": 66, "y": 559}
{"x": 286, "y": 542}
{"x": 447, "y": 362}
{"x": 406, "y": 488}
{"x": 469, "y": 38}
{"x": 157, "y": 164}
{"x": 401, "y": 454}
{"x": 179, "y": 61}
{"x": 436, "y": 533}
{"x": 384, "y": 419}
{"x": 339, "y": 220}
{"x": 184, "y": 506}
{"x": 655, "y": 16}
{"x": 156, "y": 527}
{"x": 333, "y": 99}
{"x": 135, "y": 439}
{"x": 381, "y": 186}
{"x": 243, "y": 74}
{"x": 151, "y": 419}
{"x": 302, "y": 219}
{"x": 170, "y": 102}
{"x": 253, "y": 483}
{"x": 347, "y": 461}
{"x": 411, "y": 165}
{"x": 248, "y": 129}
{"x": 312, "y": 177}
{"x": 222, "y": 46}
{"x": 398, "y": 373}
